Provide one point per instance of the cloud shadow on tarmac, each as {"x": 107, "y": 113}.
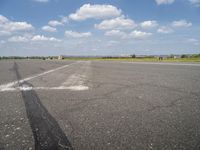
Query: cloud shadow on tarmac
{"x": 46, "y": 131}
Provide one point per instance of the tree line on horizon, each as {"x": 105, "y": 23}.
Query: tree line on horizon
{"x": 105, "y": 57}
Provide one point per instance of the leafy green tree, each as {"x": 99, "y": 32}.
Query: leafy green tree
{"x": 133, "y": 56}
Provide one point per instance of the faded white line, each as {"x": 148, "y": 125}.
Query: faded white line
{"x": 77, "y": 80}
{"x": 9, "y": 86}
{"x": 23, "y": 88}
{"x": 158, "y": 63}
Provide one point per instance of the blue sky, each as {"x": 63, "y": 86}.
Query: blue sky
{"x": 99, "y": 27}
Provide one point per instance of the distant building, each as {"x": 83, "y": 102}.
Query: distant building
{"x": 60, "y": 57}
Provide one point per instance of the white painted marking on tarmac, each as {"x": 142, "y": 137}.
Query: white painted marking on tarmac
{"x": 160, "y": 63}
{"x": 9, "y": 86}
{"x": 7, "y": 89}
{"x": 74, "y": 83}
{"x": 23, "y": 88}
{"x": 71, "y": 88}
{"x": 77, "y": 80}
{"x": 74, "y": 79}
{"x": 78, "y": 88}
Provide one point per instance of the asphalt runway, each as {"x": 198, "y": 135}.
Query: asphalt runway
{"x": 99, "y": 105}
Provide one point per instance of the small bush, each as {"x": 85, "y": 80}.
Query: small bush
{"x": 184, "y": 56}
{"x": 133, "y": 56}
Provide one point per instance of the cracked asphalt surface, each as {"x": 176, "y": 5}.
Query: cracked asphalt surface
{"x": 127, "y": 106}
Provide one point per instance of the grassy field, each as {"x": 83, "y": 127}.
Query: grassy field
{"x": 141, "y": 59}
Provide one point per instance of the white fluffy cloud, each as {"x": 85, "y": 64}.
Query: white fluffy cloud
{"x": 18, "y": 26}
{"x": 116, "y": 23}
{"x": 3, "y": 19}
{"x": 55, "y": 23}
{"x": 181, "y": 23}
{"x": 139, "y": 34}
{"x": 74, "y": 34}
{"x": 136, "y": 34}
{"x": 165, "y": 30}
{"x": 4, "y": 33}
{"x": 95, "y": 11}
{"x": 193, "y": 40}
{"x": 195, "y": 2}
{"x": 49, "y": 29}
{"x": 9, "y": 26}
{"x": 18, "y": 39}
{"x": 159, "y": 2}
{"x": 116, "y": 33}
{"x": 35, "y": 38}
{"x": 112, "y": 43}
{"x": 44, "y": 38}
{"x": 149, "y": 24}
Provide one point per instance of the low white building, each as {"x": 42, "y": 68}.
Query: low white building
{"x": 60, "y": 57}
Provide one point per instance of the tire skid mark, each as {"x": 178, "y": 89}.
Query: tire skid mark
{"x": 46, "y": 131}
